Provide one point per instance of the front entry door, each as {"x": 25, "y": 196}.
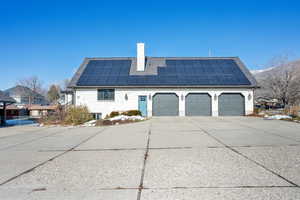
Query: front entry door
{"x": 143, "y": 105}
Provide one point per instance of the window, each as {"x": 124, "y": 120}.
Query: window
{"x": 97, "y": 116}
{"x": 106, "y": 94}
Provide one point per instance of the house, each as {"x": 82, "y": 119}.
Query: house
{"x": 15, "y": 111}
{"x": 267, "y": 103}
{"x": 66, "y": 97}
{"x": 37, "y": 111}
{"x": 4, "y": 102}
{"x": 165, "y": 86}
{"x": 24, "y": 95}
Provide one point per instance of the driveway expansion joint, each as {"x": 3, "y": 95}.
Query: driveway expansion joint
{"x": 51, "y": 159}
{"x": 219, "y": 187}
{"x": 9, "y": 136}
{"x": 32, "y": 140}
{"x": 141, "y": 186}
{"x": 246, "y": 157}
{"x": 172, "y": 148}
{"x": 269, "y": 132}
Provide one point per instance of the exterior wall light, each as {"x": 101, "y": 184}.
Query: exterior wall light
{"x": 149, "y": 97}
{"x": 126, "y": 97}
{"x": 215, "y": 97}
{"x": 249, "y": 97}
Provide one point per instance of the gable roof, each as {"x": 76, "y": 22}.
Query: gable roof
{"x": 163, "y": 72}
{"x": 6, "y": 99}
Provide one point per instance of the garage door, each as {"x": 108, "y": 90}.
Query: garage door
{"x": 165, "y": 104}
{"x": 198, "y": 104}
{"x": 231, "y": 105}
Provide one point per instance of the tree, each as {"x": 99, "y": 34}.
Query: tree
{"x": 34, "y": 84}
{"x": 284, "y": 82}
{"x": 53, "y": 93}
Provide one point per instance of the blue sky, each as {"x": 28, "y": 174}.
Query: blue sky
{"x": 49, "y": 39}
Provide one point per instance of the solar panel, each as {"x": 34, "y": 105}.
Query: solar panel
{"x": 176, "y": 72}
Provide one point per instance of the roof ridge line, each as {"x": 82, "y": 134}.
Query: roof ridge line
{"x": 167, "y": 57}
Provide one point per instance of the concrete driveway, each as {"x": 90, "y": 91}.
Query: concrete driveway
{"x": 163, "y": 158}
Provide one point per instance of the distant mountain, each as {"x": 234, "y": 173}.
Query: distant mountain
{"x": 277, "y": 71}
{"x": 260, "y": 70}
{"x": 262, "y": 75}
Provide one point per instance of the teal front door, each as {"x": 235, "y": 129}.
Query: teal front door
{"x": 143, "y": 105}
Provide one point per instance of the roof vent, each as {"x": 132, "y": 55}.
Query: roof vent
{"x": 140, "y": 57}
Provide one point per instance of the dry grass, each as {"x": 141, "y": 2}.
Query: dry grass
{"x": 293, "y": 111}
{"x": 74, "y": 115}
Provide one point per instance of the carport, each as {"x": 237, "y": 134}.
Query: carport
{"x": 4, "y": 101}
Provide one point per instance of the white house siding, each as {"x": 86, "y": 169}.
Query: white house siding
{"x": 88, "y": 97}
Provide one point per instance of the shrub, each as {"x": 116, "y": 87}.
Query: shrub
{"x": 128, "y": 113}
{"x": 77, "y": 115}
{"x": 132, "y": 113}
{"x": 114, "y": 114}
{"x": 256, "y": 110}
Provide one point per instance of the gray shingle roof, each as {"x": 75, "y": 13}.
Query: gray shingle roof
{"x": 164, "y": 72}
{"x": 6, "y": 99}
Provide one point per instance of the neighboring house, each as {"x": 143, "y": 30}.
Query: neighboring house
{"x": 37, "y": 111}
{"x": 4, "y": 102}
{"x": 66, "y": 97}
{"x": 165, "y": 86}
{"x": 268, "y": 103}
{"x": 13, "y": 111}
{"x": 24, "y": 95}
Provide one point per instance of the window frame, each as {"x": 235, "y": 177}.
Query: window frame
{"x": 103, "y": 97}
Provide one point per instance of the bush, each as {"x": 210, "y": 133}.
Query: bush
{"x": 77, "y": 115}
{"x": 114, "y": 114}
{"x": 128, "y": 113}
{"x": 256, "y": 110}
{"x": 132, "y": 113}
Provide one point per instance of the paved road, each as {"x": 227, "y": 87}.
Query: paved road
{"x": 163, "y": 158}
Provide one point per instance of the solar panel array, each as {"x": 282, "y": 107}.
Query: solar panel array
{"x": 175, "y": 73}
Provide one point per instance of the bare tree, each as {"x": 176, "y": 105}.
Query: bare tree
{"x": 34, "y": 84}
{"x": 283, "y": 83}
